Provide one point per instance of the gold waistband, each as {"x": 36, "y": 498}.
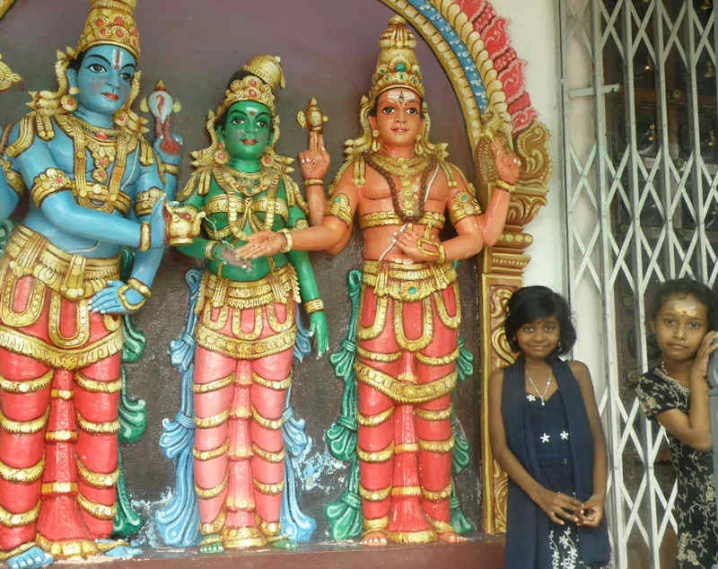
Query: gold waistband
{"x": 407, "y": 282}
{"x": 281, "y": 285}
{"x": 73, "y": 276}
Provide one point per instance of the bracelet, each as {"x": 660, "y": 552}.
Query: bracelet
{"x": 501, "y": 185}
{"x": 123, "y": 299}
{"x": 289, "y": 241}
{"x": 170, "y": 169}
{"x": 138, "y": 286}
{"x": 313, "y": 182}
{"x": 440, "y": 253}
{"x": 209, "y": 250}
{"x": 145, "y": 236}
{"x": 314, "y": 305}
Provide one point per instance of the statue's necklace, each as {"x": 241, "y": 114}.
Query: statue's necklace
{"x": 408, "y": 202}
{"x": 106, "y": 148}
{"x": 242, "y": 197}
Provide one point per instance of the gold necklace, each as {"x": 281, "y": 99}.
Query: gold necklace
{"x": 245, "y": 183}
{"x": 539, "y": 394}
{"x": 238, "y": 199}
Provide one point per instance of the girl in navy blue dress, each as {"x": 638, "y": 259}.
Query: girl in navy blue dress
{"x": 546, "y": 433}
{"x": 675, "y": 394}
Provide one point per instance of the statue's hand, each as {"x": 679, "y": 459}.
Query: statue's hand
{"x": 169, "y": 148}
{"x": 107, "y": 301}
{"x": 158, "y": 224}
{"x": 320, "y": 331}
{"x": 507, "y": 163}
{"x": 314, "y": 163}
{"x": 262, "y": 244}
{"x": 226, "y": 254}
{"x": 408, "y": 242}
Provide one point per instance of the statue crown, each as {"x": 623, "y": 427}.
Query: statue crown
{"x": 397, "y": 65}
{"x": 111, "y": 22}
{"x": 265, "y": 74}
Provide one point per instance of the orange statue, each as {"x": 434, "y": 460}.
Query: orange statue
{"x": 402, "y": 188}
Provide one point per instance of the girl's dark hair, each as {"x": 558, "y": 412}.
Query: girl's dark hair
{"x": 533, "y": 302}
{"x": 683, "y": 287}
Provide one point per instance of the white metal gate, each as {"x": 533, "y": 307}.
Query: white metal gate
{"x": 640, "y": 161}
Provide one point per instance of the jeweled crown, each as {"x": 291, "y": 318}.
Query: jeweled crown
{"x": 111, "y": 22}
{"x": 265, "y": 75}
{"x": 397, "y": 65}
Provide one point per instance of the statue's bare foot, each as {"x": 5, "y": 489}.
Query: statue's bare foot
{"x": 451, "y": 537}
{"x": 374, "y": 539}
{"x": 33, "y": 558}
{"x": 211, "y": 544}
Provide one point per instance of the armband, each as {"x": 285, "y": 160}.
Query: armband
{"x": 145, "y": 201}
{"x": 340, "y": 207}
{"x": 47, "y": 183}
{"x": 209, "y": 250}
{"x": 439, "y": 253}
{"x": 170, "y": 169}
{"x": 313, "y": 182}
{"x": 463, "y": 205}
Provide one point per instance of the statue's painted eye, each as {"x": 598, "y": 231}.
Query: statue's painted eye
{"x": 126, "y": 77}
{"x": 96, "y": 68}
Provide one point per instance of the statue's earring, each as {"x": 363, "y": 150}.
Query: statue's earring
{"x": 418, "y": 148}
{"x": 375, "y": 143}
{"x": 220, "y": 155}
{"x": 68, "y": 102}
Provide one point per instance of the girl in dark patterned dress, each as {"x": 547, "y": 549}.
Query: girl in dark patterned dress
{"x": 546, "y": 433}
{"x": 682, "y": 314}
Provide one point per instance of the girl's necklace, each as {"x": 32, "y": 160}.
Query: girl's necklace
{"x": 669, "y": 376}
{"x": 540, "y": 395}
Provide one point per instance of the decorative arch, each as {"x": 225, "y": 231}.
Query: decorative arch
{"x": 471, "y": 43}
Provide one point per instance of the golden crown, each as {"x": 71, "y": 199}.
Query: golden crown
{"x": 111, "y": 22}
{"x": 265, "y": 75}
{"x": 397, "y": 65}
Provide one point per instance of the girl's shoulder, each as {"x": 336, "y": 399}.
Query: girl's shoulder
{"x": 656, "y": 393}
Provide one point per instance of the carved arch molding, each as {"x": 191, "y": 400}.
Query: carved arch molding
{"x": 470, "y": 42}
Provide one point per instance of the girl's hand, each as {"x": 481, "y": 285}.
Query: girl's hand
{"x": 592, "y": 512}
{"x": 559, "y": 507}
{"x": 700, "y": 362}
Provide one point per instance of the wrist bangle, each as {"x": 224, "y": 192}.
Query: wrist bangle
{"x": 314, "y": 305}
{"x": 288, "y": 237}
{"x": 442, "y": 253}
{"x": 209, "y": 250}
{"x": 127, "y": 304}
{"x": 145, "y": 236}
{"x": 170, "y": 169}
{"x": 501, "y": 185}
{"x": 138, "y": 286}
{"x": 313, "y": 182}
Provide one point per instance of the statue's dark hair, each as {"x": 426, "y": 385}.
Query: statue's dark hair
{"x": 532, "y": 303}
{"x": 682, "y": 288}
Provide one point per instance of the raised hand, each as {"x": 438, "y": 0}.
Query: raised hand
{"x": 506, "y": 162}
{"x": 707, "y": 347}
{"x": 314, "y": 162}
{"x": 169, "y": 148}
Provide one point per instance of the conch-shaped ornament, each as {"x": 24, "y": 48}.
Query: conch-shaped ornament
{"x": 183, "y": 223}
{"x": 312, "y": 117}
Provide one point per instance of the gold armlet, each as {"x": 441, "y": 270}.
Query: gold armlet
{"x": 313, "y": 182}
{"x": 209, "y": 250}
{"x": 47, "y": 183}
{"x": 170, "y": 169}
{"x": 122, "y": 291}
{"x": 439, "y": 254}
{"x": 289, "y": 241}
{"x": 145, "y": 201}
{"x": 138, "y": 286}
{"x": 314, "y": 305}
{"x": 145, "y": 236}
{"x": 501, "y": 185}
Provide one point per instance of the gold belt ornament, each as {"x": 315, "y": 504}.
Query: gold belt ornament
{"x": 407, "y": 282}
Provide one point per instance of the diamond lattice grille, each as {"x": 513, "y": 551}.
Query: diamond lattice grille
{"x": 641, "y": 172}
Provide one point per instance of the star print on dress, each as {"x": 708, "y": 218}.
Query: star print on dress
{"x": 564, "y": 435}
{"x": 545, "y": 438}
{"x": 531, "y": 397}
